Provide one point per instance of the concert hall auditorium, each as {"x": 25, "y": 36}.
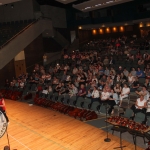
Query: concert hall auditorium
{"x": 74, "y": 74}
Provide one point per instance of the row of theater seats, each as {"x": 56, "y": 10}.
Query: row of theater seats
{"x": 11, "y": 94}
{"x": 79, "y": 108}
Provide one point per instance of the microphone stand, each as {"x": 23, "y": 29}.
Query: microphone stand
{"x": 7, "y": 147}
{"x": 107, "y": 139}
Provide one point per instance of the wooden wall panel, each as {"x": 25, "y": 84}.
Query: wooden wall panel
{"x": 20, "y": 67}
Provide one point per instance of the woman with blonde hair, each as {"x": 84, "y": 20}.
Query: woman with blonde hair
{"x": 117, "y": 88}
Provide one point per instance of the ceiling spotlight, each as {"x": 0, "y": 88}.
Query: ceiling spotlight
{"x": 12, "y": 6}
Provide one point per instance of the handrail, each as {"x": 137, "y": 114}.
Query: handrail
{"x": 22, "y": 31}
{"x": 18, "y": 33}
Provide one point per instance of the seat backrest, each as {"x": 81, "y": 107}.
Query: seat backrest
{"x": 60, "y": 98}
{"x": 79, "y": 101}
{"x": 103, "y": 109}
{"x": 148, "y": 121}
{"x": 55, "y": 97}
{"x": 87, "y": 102}
{"x": 66, "y": 98}
{"x": 139, "y": 117}
{"x": 94, "y": 106}
{"x": 50, "y": 95}
{"x": 128, "y": 113}
{"x": 72, "y": 100}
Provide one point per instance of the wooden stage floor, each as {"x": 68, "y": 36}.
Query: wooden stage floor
{"x": 37, "y": 128}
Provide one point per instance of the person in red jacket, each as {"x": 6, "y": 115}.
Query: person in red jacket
{"x": 3, "y": 107}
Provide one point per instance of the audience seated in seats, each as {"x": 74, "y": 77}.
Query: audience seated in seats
{"x": 104, "y": 96}
{"x": 117, "y": 89}
{"x": 50, "y": 89}
{"x": 21, "y": 84}
{"x": 125, "y": 72}
{"x": 58, "y": 87}
{"x": 73, "y": 90}
{"x": 63, "y": 89}
{"x": 75, "y": 70}
{"x": 81, "y": 91}
{"x": 47, "y": 78}
{"x": 120, "y": 70}
{"x": 146, "y": 83}
{"x": 138, "y": 56}
{"x": 141, "y": 62}
{"x": 147, "y": 109}
{"x": 89, "y": 93}
{"x": 133, "y": 72}
{"x": 124, "y": 93}
{"x": 140, "y": 105}
{"x": 107, "y": 71}
{"x": 51, "y": 70}
{"x": 130, "y": 79}
{"x": 143, "y": 92}
{"x": 140, "y": 73}
{"x": 55, "y": 81}
{"x": 95, "y": 95}
{"x": 147, "y": 73}
{"x": 44, "y": 92}
{"x": 135, "y": 85}
{"x": 106, "y": 61}
{"x": 98, "y": 67}
{"x": 112, "y": 101}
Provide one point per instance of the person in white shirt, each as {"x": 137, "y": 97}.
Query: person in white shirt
{"x": 104, "y": 96}
{"x": 140, "y": 105}
{"x": 95, "y": 95}
{"x": 95, "y": 79}
{"x": 124, "y": 93}
{"x": 44, "y": 92}
{"x": 21, "y": 85}
{"x": 130, "y": 79}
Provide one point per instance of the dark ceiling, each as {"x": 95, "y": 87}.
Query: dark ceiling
{"x": 58, "y": 4}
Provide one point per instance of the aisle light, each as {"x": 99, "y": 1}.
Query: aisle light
{"x": 107, "y": 30}
{"x": 80, "y": 27}
{"x": 94, "y": 31}
{"x": 141, "y": 25}
{"x": 114, "y": 29}
{"x": 121, "y": 29}
{"x": 101, "y": 31}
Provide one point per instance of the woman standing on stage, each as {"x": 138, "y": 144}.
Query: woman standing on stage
{"x": 3, "y": 107}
